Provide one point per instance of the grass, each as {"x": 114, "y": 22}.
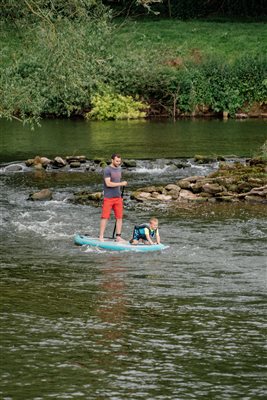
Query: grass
{"x": 172, "y": 39}
{"x": 191, "y": 39}
{"x": 135, "y": 58}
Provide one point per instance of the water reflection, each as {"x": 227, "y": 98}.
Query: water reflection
{"x": 136, "y": 139}
{"x": 112, "y": 300}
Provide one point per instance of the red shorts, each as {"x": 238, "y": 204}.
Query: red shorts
{"x": 116, "y": 203}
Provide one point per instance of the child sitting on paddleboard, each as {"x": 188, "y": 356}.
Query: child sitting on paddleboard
{"x": 146, "y": 233}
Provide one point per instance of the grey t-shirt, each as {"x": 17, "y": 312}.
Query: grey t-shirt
{"x": 115, "y": 176}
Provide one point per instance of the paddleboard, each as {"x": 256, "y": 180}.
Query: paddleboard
{"x": 111, "y": 244}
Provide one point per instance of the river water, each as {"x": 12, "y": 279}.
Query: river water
{"x": 80, "y": 323}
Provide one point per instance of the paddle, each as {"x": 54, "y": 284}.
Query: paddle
{"x": 114, "y": 230}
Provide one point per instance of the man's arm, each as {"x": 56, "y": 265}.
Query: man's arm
{"x": 109, "y": 183}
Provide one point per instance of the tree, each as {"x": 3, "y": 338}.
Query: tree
{"x": 49, "y": 10}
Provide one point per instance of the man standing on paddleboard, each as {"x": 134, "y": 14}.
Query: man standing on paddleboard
{"x": 112, "y": 196}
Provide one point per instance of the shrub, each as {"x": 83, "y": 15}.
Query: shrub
{"x": 56, "y": 71}
{"x": 112, "y": 106}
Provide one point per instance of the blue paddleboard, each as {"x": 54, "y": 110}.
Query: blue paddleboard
{"x": 111, "y": 244}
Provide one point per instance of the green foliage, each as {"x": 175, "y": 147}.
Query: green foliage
{"x": 112, "y": 106}
{"x": 229, "y": 87}
{"x": 185, "y": 9}
{"x": 29, "y": 11}
{"x": 56, "y": 70}
{"x": 63, "y": 68}
{"x": 214, "y": 85}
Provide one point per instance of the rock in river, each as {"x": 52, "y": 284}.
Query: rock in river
{"x": 44, "y": 194}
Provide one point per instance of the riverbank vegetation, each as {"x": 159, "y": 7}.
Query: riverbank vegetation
{"x": 76, "y": 60}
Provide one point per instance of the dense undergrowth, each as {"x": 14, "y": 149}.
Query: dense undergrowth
{"x": 65, "y": 68}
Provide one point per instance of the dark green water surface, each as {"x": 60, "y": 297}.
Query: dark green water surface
{"x": 135, "y": 139}
{"x": 80, "y": 323}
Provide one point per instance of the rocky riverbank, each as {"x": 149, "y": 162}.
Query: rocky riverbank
{"x": 232, "y": 182}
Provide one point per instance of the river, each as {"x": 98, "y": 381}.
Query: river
{"x": 80, "y": 323}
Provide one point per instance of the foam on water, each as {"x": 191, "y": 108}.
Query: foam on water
{"x": 152, "y": 171}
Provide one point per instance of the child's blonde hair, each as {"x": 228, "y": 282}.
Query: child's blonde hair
{"x": 154, "y": 219}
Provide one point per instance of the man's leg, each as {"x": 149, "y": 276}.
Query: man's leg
{"x": 103, "y": 224}
{"x": 118, "y": 228}
{"x": 118, "y": 211}
{"x": 106, "y": 208}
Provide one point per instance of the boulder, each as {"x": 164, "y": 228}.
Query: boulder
{"x": 204, "y": 159}
{"x": 29, "y": 162}
{"x": 172, "y": 187}
{"x": 160, "y": 197}
{"x": 256, "y": 182}
{"x": 205, "y": 195}
{"x": 45, "y": 161}
{"x": 87, "y": 197}
{"x": 186, "y": 195}
{"x": 151, "y": 189}
{"x": 96, "y": 196}
{"x": 174, "y": 194}
{"x": 190, "y": 179}
{"x": 75, "y": 164}
{"x": 198, "y": 186}
{"x": 37, "y": 160}
{"x": 141, "y": 196}
{"x": 59, "y": 162}
{"x": 180, "y": 164}
{"x": 173, "y": 191}
{"x": 213, "y": 188}
{"x": 241, "y": 115}
{"x": 70, "y": 159}
{"x": 13, "y": 168}
{"x": 129, "y": 163}
{"x": 184, "y": 184}
{"x": 44, "y": 194}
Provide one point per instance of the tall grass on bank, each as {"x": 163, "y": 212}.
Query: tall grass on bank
{"x": 179, "y": 68}
{"x": 190, "y": 40}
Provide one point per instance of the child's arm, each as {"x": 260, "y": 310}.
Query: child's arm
{"x": 148, "y": 238}
{"x": 157, "y": 237}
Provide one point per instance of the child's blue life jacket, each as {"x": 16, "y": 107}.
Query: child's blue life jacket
{"x": 140, "y": 232}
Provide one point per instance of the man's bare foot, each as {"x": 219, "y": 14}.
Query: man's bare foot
{"x": 119, "y": 239}
{"x": 101, "y": 239}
